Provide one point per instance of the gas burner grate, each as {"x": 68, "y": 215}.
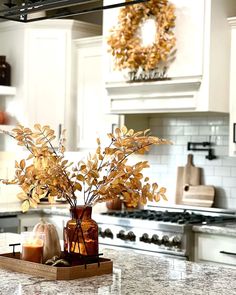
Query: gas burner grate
{"x": 177, "y": 217}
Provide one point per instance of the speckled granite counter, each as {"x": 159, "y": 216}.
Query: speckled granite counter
{"x": 133, "y": 274}
{"x": 15, "y": 209}
{"x": 228, "y": 229}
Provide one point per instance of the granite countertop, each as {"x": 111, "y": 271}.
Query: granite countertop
{"x": 133, "y": 274}
{"x": 228, "y": 229}
{"x": 15, "y": 209}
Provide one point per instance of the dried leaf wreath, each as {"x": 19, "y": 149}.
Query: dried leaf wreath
{"x": 125, "y": 45}
{"x": 105, "y": 175}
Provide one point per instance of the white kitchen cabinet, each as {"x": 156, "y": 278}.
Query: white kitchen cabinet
{"x": 41, "y": 57}
{"x": 28, "y": 221}
{"x": 92, "y": 120}
{"x": 232, "y": 114}
{"x": 219, "y": 249}
{"x": 199, "y": 75}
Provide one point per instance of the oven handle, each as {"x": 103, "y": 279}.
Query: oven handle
{"x": 227, "y": 253}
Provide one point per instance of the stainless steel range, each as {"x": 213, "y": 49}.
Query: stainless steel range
{"x": 159, "y": 232}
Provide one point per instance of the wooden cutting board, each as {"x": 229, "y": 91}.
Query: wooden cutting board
{"x": 187, "y": 175}
{"x": 199, "y": 195}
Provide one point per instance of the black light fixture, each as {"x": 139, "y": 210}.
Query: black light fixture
{"x": 20, "y": 10}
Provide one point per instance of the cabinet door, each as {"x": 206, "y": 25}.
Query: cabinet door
{"x": 27, "y": 222}
{"x": 92, "y": 119}
{"x": 215, "y": 249}
{"x": 46, "y": 76}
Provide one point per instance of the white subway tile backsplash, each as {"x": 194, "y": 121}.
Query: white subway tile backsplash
{"x": 169, "y": 121}
{"x": 169, "y": 160}
{"x": 229, "y": 161}
{"x": 208, "y": 171}
{"x": 184, "y": 128}
{"x": 229, "y": 182}
{"x": 216, "y": 162}
{"x": 191, "y": 130}
{"x": 222, "y": 171}
{"x": 206, "y": 130}
{"x": 221, "y": 150}
{"x": 232, "y": 203}
{"x": 197, "y": 121}
{"x": 182, "y": 139}
{"x": 212, "y": 121}
{"x": 221, "y": 130}
{"x": 183, "y": 121}
{"x": 233, "y": 193}
{"x": 199, "y": 138}
{"x": 233, "y": 171}
{"x": 173, "y": 130}
{"x": 213, "y": 180}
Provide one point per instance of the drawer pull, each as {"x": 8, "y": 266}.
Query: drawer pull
{"x": 227, "y": 253}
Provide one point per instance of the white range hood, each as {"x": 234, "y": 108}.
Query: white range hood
{"x": 198, "y": 77}
{"x": 152, "y": 97}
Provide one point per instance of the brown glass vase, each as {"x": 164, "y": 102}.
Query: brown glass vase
{"x": 5, "y": 72}
{"x": 81, "y": 234}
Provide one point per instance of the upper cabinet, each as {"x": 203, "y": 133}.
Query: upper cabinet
{"x": 232, "y": 116}
{"x": 42, "y": 57}
{"x": 92, "y": 120}
{"x": 198, "y": 76}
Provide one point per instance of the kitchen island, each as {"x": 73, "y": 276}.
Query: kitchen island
{"x": 133, "y": 273}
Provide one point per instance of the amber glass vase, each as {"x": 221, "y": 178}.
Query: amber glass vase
{"x": 5, "y": 72}
{"x": 81, "y": 234}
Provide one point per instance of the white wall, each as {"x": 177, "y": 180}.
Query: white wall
{"x": 181, "y": 128}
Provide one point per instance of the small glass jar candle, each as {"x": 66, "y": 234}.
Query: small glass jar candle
{"x": 32, "y": 246}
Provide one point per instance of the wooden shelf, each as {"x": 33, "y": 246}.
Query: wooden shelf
{"x": 7, "y": 90}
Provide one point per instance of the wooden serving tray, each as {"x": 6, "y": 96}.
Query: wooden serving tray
{"x": 14, "y": 263}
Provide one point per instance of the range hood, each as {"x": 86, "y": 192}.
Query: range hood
{"x": 196, "y": 80}
{"x": 34, "y": 10}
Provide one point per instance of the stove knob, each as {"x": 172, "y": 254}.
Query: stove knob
{"x": 145, "y": 238}
{"x": 176, "y": 241}
{"x": 165, "y": 241}
{"x": 101, "y": 233}
{"x": 155, "y": 240}
{"x": 108, "y": 233}
{"x": 121, "y": 235}
{"x": 131, "y": 236}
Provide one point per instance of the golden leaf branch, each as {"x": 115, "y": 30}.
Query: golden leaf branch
{"x": 104, "y": 176}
